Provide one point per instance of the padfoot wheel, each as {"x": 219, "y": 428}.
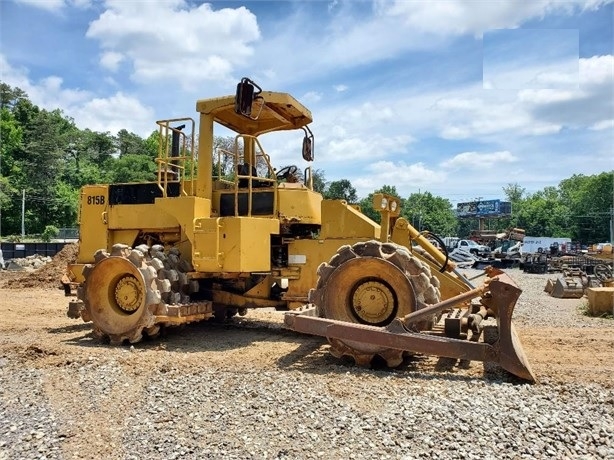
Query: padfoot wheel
{"x": 372, "y": 283}
{"x": 124, "y": 290}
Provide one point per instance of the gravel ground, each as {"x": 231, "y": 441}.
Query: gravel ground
{"x": 251, "y": 390}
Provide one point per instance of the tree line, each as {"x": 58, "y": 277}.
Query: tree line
{"x": 47, "y": 158}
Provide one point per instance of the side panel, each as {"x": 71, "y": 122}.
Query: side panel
{"x": 300, "y": 204}
{"x": 93, "y": 221}
{"x": 139, "y": 216}
{"x": 233, "y": 244}
{"x": 340, "y": 220}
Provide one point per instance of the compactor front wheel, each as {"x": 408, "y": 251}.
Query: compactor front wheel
{"x": 122, "y": 293}
{"x": 372, "y": 283}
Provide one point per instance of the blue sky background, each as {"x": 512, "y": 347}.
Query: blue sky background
{"x": 459, "y": 98}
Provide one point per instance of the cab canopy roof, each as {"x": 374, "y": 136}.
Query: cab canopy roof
{"x": 273, "y": 112}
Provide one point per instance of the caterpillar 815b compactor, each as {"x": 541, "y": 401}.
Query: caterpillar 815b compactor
{"x": 207, "y": 241}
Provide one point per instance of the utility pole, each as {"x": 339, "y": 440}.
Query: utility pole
{"x": 611, "y": 224}
{"x": 23, "y": 214}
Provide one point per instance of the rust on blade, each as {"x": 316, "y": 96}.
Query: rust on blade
{"x": 499, "y": 295}
{"x": 503, "y": 294}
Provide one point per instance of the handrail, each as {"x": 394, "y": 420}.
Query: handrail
{"x": 181, "y": 165}
{"x": 238, "y": 158}
{"x": 309, "y": 177}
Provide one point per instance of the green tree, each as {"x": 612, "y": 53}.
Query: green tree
{"x": 65, "y": 206}
{"x": 132, "y": 144}
{"x": 38, "y": 163}
{"x": 589, "y": 199}
{"x": 544, "y": 213}
{"x": 49, "y": 233}
{"x": 341, "y": 190}
{"x": 319, "y": 180}
{"x": 9, "y": 96}
{"x": 11, "y": 135}
{"x": 133, "y": 168}
{"x": 428, "y": 212}
{"x": 152, "y": 145}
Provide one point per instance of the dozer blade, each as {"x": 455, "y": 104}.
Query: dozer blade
{"x": 506, "y": 351}
{"x": 502, "y": 300}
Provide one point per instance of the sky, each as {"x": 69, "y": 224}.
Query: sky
{"x": 457, "y": 98}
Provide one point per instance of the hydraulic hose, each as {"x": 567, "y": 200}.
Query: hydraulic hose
{"x": 430, "y": 234}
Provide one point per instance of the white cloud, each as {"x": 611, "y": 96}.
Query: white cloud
{"x": 482, "y": 115}
{"x": 597, "y": 70}
{"x": 560, "y": 75}
{"x": 545, "y": 96}
{"x": 456, "y": 17}
{"x": 115, "y": 113}
{"x": 396, "y": 27}
{"x": 50, "y": 5}
{"x": 475, "y": 160}
{"x": 48, "y": 92}
{"x": 202, "y": 44}
{"x": 340, "y": 88}
{"x": 344, "y": 148}
{"x": 405, "y": 177}
{"x": 97, "y": 113}
{"x": 591, "y": 104}
{"x": 534, "y": 112}
{"x": 55, "y": 5}
{"x": 311, "y": 97}
{"x": 111, "y": 60}
{"x": 603, "y": 125}
{"x": 371, "y": 113}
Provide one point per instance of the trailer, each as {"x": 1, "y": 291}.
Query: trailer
{"x": 544, "y": 244}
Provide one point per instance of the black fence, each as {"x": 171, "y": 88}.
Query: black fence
{"x": 20, "y": 250}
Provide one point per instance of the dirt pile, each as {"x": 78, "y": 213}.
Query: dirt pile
{"x": 49, "y": 275}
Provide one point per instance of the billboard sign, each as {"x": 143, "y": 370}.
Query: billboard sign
{"x": 487, "y": 208}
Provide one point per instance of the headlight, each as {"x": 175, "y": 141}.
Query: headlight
{"x": 384, "y": 203}
{"x": 393, "y": 206}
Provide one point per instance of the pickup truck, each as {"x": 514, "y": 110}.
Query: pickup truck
{"x": 474, "y": 248}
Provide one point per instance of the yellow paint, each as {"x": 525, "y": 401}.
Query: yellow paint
{"x": 339, "y": 220}
{"x": 299, "y": 204}
{"x": 233, "y": 244}
{"x": 125, "y": 216}
{"x": 93, "y": 220}
{"x": 185, "y": 209}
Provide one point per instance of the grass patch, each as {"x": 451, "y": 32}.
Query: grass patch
{"x": 584, "y": 310}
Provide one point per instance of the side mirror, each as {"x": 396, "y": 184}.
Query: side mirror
{"x": 307, "y": 149}
{"x": 308, "y": 145}
{"x": 244, "y": 97}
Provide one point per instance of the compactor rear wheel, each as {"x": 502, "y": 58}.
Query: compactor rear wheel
{"x": 372, "y": 283}
{"x": 124, "y": 290}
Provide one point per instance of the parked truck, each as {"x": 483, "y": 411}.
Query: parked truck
{"x": 454, "y": 243}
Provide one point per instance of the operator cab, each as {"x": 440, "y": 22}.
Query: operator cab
{"x": 245, "y": 182}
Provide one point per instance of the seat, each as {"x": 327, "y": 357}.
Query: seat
{"x": 245, "y": 170}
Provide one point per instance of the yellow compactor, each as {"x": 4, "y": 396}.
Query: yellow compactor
{"x": 222, "y": 231}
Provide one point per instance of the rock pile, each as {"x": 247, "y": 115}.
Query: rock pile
{"x": 29, "y": 263}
